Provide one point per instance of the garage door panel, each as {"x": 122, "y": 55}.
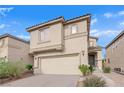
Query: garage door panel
{"x": 60, "y": 65}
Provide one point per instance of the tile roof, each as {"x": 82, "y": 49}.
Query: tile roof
{"x": 65, "y": 21}
{"x": 14, "y": 37}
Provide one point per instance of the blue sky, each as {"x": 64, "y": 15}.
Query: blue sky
{"x": 106, "y": 23}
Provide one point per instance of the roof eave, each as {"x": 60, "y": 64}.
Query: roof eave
{"x": 78, "y": 18}
{"x": 119, "y": 35}
{"x": 61, "y": 19}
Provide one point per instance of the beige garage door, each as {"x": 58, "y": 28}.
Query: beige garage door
{"x": 60, "y": 65}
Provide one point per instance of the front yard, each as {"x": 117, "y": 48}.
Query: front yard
{"x": 10, "y": 71}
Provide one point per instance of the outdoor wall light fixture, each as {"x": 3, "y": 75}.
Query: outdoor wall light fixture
{"x": 83, "y": 53}
{"x": 35, "y": 58}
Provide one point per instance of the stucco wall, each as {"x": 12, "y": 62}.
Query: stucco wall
{"x": 4, "y": 48}
{"x": 55, "y": 39}
{"x": 99, "y": 59}
{"x": 73, "y": 43}
{"x": 92, "y": 42}
{"x": 116, "y": 56}
{"x": 19, "y": 51}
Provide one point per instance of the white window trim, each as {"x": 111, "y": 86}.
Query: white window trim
{"x": 39, "y": 36}
{"x": 76, "y": 28}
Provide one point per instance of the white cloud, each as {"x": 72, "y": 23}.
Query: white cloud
{"x": 2, "y": 26}
{"x": 93, "y": 31}
{"x": 108, "y": 15}
{"x": 15, "y": 23}
{"x": 121, "y": 13}
{"x": 122, "y": 23}
{"x": 4, "y": 11}
{"x": 106, "y": 33}
{"x": 26, "y": 37}
{"x": 93, "y": 21}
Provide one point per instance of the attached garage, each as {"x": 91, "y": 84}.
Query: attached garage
{"x": 67, "y": 64}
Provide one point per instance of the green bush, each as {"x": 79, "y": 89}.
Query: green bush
{"x": 4, "y": 70}
{"x": 91, "y": 68}
{"x": 106, "y": 69}
{"x": 94, "y": 81}
{"x": 84, "y": 69}
{"x": 15, "y": 69}
{"x": 11, "y": 69}
{"x": 29, "y": 66}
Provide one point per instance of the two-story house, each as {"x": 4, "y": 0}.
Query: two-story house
{"x": 59, "y": 46}
{"x": 115, "y": 52}
{"x": 14, "y": 49}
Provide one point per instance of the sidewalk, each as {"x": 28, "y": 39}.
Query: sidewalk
{"x": 117, "y": 78}
{"x": 109, "y": 81}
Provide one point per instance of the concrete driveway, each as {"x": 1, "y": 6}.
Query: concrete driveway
{"x": 45, "y": 81}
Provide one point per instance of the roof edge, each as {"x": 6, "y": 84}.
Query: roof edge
{"x": 94, "y": 37}
{"x": 119, "y": 35}
{"x": 61, "y": 18}
{"x": 78, "y": 18}
{"x": 14, "y": 37}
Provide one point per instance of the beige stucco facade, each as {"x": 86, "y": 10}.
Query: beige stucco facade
{"x": 15, "y": 49}
{"x": 63, "y": 52}
{"x": 115, "y": 52}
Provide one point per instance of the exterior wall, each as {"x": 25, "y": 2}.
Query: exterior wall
{"x": 4, "y": 48}
{"x": 73, "y": 44}
{"x": 55, "y": 41}
{"x": 115, "y": 53}
{"x": 97, "y": 53}
{"x": 99, "y": 59}
{"x": 81, "y": 26}
{"x": 92, "y": 42}
{"x": 19, "y": 51}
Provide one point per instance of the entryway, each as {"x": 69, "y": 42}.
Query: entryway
{"x": 92, "y": 60}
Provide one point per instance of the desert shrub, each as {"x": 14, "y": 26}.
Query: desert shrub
{"x": 91, "y": 69}
{"x": 11, "y": 69}
{"x": 29, "y": 66}
{"x": 94, "y": 81}
{"x": 15, "y": 69}
{"x": 4, "y": 70}
{"x": 84, "y": 69}
{"x": 106, "y": 69}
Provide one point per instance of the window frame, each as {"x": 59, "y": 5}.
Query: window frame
{"x": 45, "y": 33}
{"x": 72, "y": 29}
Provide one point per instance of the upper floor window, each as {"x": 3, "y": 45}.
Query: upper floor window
{"x": 44, "y": 35}
{"x": 74, "y": 29}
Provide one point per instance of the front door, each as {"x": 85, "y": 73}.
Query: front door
{"x": 92, "y": 60}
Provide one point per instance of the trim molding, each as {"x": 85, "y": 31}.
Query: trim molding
{"x": 47, "y": 48}
{"x": 75, "y": 35}
{"x": 59, "y": 55}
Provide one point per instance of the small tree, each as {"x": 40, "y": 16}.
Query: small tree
{"x": 84, "y": 69}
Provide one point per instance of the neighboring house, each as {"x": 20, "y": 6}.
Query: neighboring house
{"x": 60, "y": 46}
{"x": 115, "y": 52}
{"x": 14, "y": 49}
